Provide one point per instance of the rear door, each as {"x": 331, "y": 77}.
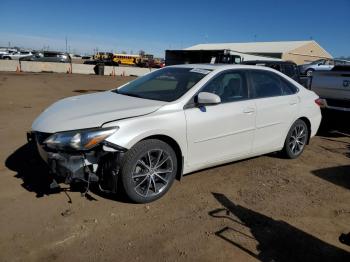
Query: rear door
{"x": 223, "y": 131}
{"x": 277, "y": 105}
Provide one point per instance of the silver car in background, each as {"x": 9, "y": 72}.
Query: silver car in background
{"x": 49, "y": 56}
{"x": 321, "y": 65}
{"x": 17, "y": 55}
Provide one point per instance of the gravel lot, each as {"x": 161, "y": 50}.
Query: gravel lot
{"x": 261, "y": 209}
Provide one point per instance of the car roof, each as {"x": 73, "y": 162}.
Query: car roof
{"x": 222, "y": 66}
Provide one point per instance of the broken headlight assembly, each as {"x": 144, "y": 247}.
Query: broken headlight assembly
{"x": 80, "y": 140}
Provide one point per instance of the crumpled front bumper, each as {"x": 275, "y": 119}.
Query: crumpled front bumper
{"x": 73, "y": 168}
{"x": 69, "y": 166}
{"x": 100, "y": 164}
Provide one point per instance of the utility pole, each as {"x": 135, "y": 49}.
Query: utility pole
{"x": 66, "y": 44}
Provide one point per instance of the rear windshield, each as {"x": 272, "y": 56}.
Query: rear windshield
{"x": 166, "y": 84}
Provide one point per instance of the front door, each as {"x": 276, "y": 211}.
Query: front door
{"x": 223, "y": 131}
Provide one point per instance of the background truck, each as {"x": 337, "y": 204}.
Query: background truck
{"x": 286, "y": 67}
{"x": 177, "y": 57}
{"x": 333, "y": 87}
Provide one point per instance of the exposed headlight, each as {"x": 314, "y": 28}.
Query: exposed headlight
{"x": 79, "y": 139}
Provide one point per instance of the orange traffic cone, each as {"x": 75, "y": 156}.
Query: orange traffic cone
{"x": 69, "y": 71}
{"x": 113, "y": 72}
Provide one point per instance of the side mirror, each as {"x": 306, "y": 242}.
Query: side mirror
{"x": 205, "y": 98}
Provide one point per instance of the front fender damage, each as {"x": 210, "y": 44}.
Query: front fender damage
{"x": 99, "y": 166}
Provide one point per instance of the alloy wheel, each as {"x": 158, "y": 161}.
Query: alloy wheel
{"x": 309, "y": 73}
{"x": 297, "y": 139}
{"x": 152, "y": 173}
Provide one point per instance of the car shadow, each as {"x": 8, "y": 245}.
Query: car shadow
{"x": 267, "y": 239}
{"x": 338, "y": 175}
{"x": 120, "y": 196}
{"x": 334, "y": 124}
{"x": 31, "y": 170}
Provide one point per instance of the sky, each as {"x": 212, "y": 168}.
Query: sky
{"x": 156, "y": 25}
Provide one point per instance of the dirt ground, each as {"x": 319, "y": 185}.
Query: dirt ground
{"x": 262, "y": 209}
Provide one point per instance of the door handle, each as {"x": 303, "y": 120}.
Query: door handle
{"x": 293, "y": 102}
{"x": 248, "y": 110}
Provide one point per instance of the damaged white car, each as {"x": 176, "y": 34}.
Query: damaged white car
{"x": 174, "y": 121}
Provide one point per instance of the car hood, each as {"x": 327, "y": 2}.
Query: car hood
{"x": 92, "y": 110}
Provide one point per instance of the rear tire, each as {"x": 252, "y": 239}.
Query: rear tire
{"x": 148, "y": 170}
{"x": 296, "y": 140}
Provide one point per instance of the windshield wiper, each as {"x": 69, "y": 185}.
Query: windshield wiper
{"x": 130, "y": 94}
{"x": 137, "y": 95}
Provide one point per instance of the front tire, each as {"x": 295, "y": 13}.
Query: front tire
{"x": 309, "y": 72}
{"x": 296, "y": 139}
{"x": 148, "y": 170}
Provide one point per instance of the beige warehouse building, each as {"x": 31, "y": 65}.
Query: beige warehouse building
{"x": 300, "y": 52}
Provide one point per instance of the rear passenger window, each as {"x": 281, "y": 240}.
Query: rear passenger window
{"x": 267, "y": 84}
{"x": 288, "y": 88}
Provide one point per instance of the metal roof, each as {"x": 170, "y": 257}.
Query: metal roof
{"x": 254, "y": 47}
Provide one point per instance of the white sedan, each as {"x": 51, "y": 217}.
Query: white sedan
{"x": 17, "y": 55}
{"x": 174, "y": 121}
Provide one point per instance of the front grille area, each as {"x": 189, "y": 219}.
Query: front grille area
{"x": 338, "y": 103}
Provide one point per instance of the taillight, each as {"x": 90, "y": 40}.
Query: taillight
{"x": 320, "y": 102}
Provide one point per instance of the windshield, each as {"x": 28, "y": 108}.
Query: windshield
{"x": 166, "y": 84}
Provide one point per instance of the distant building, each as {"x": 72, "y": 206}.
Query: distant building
{"x": 298, "y": 51}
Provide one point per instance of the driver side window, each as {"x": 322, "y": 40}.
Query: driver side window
{"x": 229, "y": 86}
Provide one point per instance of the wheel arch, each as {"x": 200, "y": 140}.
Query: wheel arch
{"x": 176, "y": 147}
